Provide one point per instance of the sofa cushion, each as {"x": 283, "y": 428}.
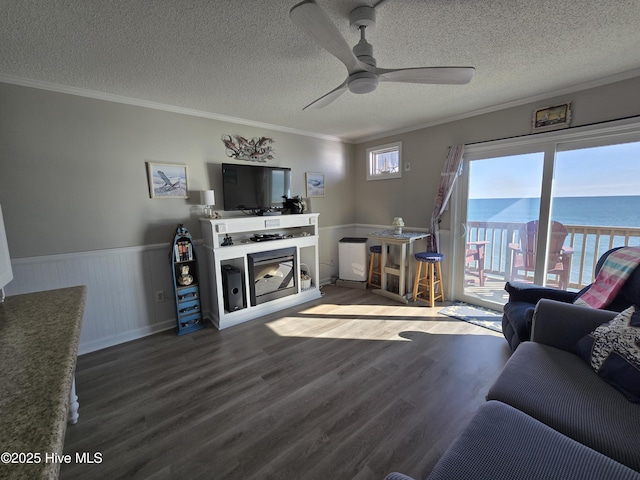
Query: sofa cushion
{"x": 531, "y": 293}
{"x": 502, "y": 443}
{"x": 557, "y": 388}
{"x": 520, "y": 317}
{"x": 613, "y": 351}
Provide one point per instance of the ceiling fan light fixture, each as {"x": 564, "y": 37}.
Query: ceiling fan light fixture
{"x": 363, "y": 82}
{"x": 363, "y": 73}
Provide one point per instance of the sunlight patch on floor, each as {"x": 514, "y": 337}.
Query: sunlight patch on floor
{"x": 346, "y": 329}
{"x": 372, "y": 310}
{"x": 369, "y": 322}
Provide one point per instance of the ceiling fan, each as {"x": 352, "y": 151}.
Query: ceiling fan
{"x": 363, "y": 74}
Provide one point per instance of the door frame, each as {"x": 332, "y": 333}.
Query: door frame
{"x": 618, "y": 131}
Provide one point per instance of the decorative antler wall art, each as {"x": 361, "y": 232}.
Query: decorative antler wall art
{"x": 258, "y": 149}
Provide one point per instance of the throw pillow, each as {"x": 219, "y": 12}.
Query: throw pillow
{"x": 613, "y": 351}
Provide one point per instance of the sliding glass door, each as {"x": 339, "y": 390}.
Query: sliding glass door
{"x": 503, "y": 195}
{"x": 596, "y": 195}
{"x": 570, "y": 196}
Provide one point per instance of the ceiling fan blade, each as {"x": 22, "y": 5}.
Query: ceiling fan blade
{"x": 314, "y": 21}
{"x": 329, "y": 97}
{"x": 428, "y": 75}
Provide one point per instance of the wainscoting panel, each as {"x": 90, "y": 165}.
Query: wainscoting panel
{"x": 122, "y": 283}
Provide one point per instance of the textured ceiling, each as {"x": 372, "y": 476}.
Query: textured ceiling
{"x": 247, "y": 60}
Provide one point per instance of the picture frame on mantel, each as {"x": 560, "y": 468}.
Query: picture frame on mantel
{"x": 167, "y": 180}
{"x": 315, "y": 184}
{"x": 551, "y": 118}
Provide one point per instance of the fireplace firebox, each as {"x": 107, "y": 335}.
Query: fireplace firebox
{"x": 272, "y": 274}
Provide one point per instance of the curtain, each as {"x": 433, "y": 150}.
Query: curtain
{"x": 450, "y": 173}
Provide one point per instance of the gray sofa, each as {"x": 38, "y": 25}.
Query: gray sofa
{"x": 549, "y": 415}
{"x": 523, "y": 297}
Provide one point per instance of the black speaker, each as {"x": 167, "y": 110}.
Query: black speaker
{"x": 232, "y": 288}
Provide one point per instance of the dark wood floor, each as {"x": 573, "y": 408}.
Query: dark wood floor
{"x": 351, "y": 386}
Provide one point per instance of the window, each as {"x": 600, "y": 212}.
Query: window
{"x": 384, "y": 161}
{"x": 581, "y": 185}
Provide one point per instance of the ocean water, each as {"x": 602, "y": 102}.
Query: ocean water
{"x": 619, "y": 211}
{"x": 623, "y": 211}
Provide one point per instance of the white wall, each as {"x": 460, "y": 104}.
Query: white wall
{"x": 120, "y": 304}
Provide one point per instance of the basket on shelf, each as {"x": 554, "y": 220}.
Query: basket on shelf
{"x": 305, "y": 277}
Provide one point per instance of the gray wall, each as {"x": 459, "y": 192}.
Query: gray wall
{"x": 411, "y": 197}
{"x": 73, "y": 175}
{"x": 73, "y": 178}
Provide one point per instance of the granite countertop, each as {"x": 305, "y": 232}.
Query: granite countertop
{"x": 39, "y": 335}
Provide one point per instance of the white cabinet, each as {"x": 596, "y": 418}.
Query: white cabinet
{"x": 352, "y": 259}
{"x": 299, "y": 232}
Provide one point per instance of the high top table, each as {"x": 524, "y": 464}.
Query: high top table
{"x": 405, "y": 241}
{"x": 39, "y": 336}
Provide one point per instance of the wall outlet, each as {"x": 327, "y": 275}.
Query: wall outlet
{"x": 160, "y": 296}
{"x": 407, "y": 166}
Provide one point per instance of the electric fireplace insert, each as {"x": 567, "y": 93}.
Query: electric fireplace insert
{"x": 272, "y": 275}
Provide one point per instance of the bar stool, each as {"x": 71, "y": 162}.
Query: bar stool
{"x": 376, "y": 259}
{"x": 431, "y": 279}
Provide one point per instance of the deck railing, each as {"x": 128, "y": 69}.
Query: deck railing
{"x": 587, "y": 241}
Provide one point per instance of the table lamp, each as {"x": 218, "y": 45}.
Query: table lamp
{"x": 397, "y": 225}
{"x": 208, "y": 199}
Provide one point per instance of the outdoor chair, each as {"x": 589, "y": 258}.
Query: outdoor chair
{"x": 474, "y": 256}
{"x": 523, "y": 254}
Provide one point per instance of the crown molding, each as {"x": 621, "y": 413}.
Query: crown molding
{"x": 515, "y": 103}
{"x": 82, "y": 92}
{"x": 26, "y": 82}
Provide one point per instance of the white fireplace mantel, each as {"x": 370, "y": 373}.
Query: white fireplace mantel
{"x": 299, "y": 231}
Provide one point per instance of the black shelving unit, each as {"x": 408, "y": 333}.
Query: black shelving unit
{"x": 186, "y": 288}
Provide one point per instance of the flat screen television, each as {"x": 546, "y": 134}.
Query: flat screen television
{"x": 254, "y": 187}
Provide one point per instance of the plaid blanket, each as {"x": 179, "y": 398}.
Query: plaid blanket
{"x": 614, "y": 272}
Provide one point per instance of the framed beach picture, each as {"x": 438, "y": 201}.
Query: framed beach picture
{"x": 167, "y": 180}
{"x": 315, "y": 184}
{"x": 551, "y": 118}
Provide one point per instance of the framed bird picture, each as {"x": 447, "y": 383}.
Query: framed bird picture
{"x": 315, "y": 184}
{"x": 167, "y": 180}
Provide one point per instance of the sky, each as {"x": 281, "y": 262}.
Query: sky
{"x": 600, "y": 171}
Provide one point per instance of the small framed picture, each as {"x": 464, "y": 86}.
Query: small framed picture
{"x": 167, "y": 180}
{"x": 315, "y": 184}
{"x": 551, "y": 118}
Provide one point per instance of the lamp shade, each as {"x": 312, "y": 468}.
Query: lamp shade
{"x": 397, "y": 225}
{"x": 207, "y": 197}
